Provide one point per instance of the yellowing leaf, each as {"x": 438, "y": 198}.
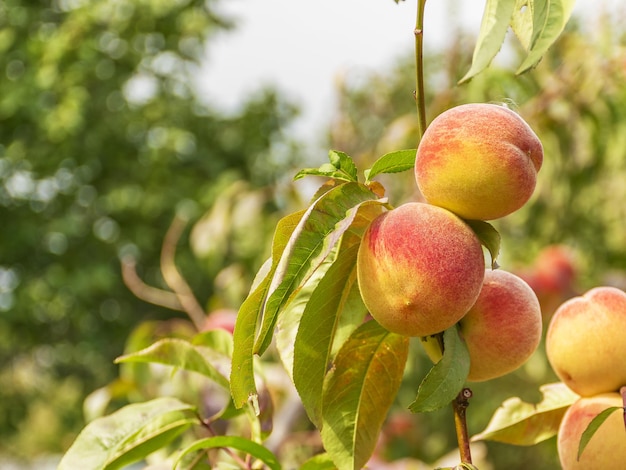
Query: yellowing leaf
{"x": 549, "y": 20}
{"x": 520, "y": 423}
{"x": 493, "y": 27}
{"x": 359, "y": 391}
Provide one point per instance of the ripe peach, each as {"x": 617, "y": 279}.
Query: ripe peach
{"x": 479, "y": 161}
{"x": 503, "y": 328}
{"x": 585, "y": 343}
{"x": 607, "y": 447}
{"x": 419, "y": 269}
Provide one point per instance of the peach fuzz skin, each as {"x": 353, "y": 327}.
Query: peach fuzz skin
{"x": 479, "y": 161}
{"x": 585, "y": 342}
{"x": 420, "y": 268}
{"x": 607, "y": 447}
{"x": 503, "y": 328}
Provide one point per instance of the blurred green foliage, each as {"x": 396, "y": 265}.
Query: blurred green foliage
{"x": 102, "y": 141}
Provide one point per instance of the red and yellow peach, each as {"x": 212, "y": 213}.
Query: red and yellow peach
{"x": 420, "y": 268}
{"x": 585, "y": 342}
{"x": 479, "y": 161}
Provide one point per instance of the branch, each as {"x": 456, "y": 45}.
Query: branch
{"x": 460, "y": 404}
{"x": 144, "y": 291}
{"x": 173, "y": 278}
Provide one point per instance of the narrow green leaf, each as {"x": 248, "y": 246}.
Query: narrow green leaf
{"x": 344, "y": 162}
{"x": 447, "y": 377}
{"x": 312, "y": 241}
{"x": 341, "y": 167}
{"x": 359, "y": 391}
{"x": 233, "y": 442}
{"x": 314, "y": 339}
{"x": 128, "y": 435}
{"x": 288, "y": 321}
{"x": 519, "y": 423}
{"x": 495, "y": 22}
{"x": 522, "y": 22}
{"x": 541, "y": 13}
{"x": 393, "y": 162}
{"x": 593, "y": 426}
{"x": 489, "y": 237}
{"x": 242, "y": 383}
{"x": 549, "y": 20}
{"x": 311, "y": 298}
{"x": 179, "y": 353}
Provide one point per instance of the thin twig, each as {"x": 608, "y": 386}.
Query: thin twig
{"x": 460, "y": 404}
{"x": 420, "y": 99}
{"x": 174, "y": 279}
{"x": 143, "y": 291}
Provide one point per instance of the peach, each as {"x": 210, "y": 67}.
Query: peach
{"x": 585, "y": 342}
{"x": 607, "y": 447}
{"x": 419, "y": 268}
{"x": 503, "y": 328}
{"x": 479, "y": 161}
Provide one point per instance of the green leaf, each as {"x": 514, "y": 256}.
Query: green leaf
{"x": 593, "y": 426}
{"x": 519, "y": 423}
{"x": 179, "y": 353}
{"x": 312, "y": 241}
{"x": 341, "y": 167}
{"x": 494, "y": 25}
{"x": 128, "y": 435}
{"x": 446, "y": 379}
{"x": 489, "y": 237}
{"x": 288, "y": 321}
{"x": 549, "y": 20}
{"x": 233, "y": 442}
{"x": 218, "y": 340}
{"x": 358, "y": 392}
{"x": 522, "y": 21}
{"x": 334, "y": 310}
{"x": 393, "y": 162}
{"x": 242, "y": 383}
{"x": 314, "y": 339}
{"x": 319, "y": 462}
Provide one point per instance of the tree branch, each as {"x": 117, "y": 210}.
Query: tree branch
{"x": 460, "y": 404}
{"x": 173, "y": 278}
{"x": 143, "y": 291}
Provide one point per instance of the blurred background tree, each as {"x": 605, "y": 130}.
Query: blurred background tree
{"x": 102, "y": 141}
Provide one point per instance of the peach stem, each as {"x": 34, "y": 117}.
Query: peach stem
{"x": 420, "y": 99}
{"x": 460, "y": 404}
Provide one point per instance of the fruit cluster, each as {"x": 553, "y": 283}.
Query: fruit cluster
{"x": 421, "y": 267}
{"x": 586, "y": 347}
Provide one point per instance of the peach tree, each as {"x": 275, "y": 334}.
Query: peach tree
{"x": 352, "y": 278}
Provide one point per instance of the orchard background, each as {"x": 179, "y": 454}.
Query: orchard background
{"x": 97, "y": 181}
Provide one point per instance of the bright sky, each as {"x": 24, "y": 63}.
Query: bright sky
{"x": 301, "y": 46}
